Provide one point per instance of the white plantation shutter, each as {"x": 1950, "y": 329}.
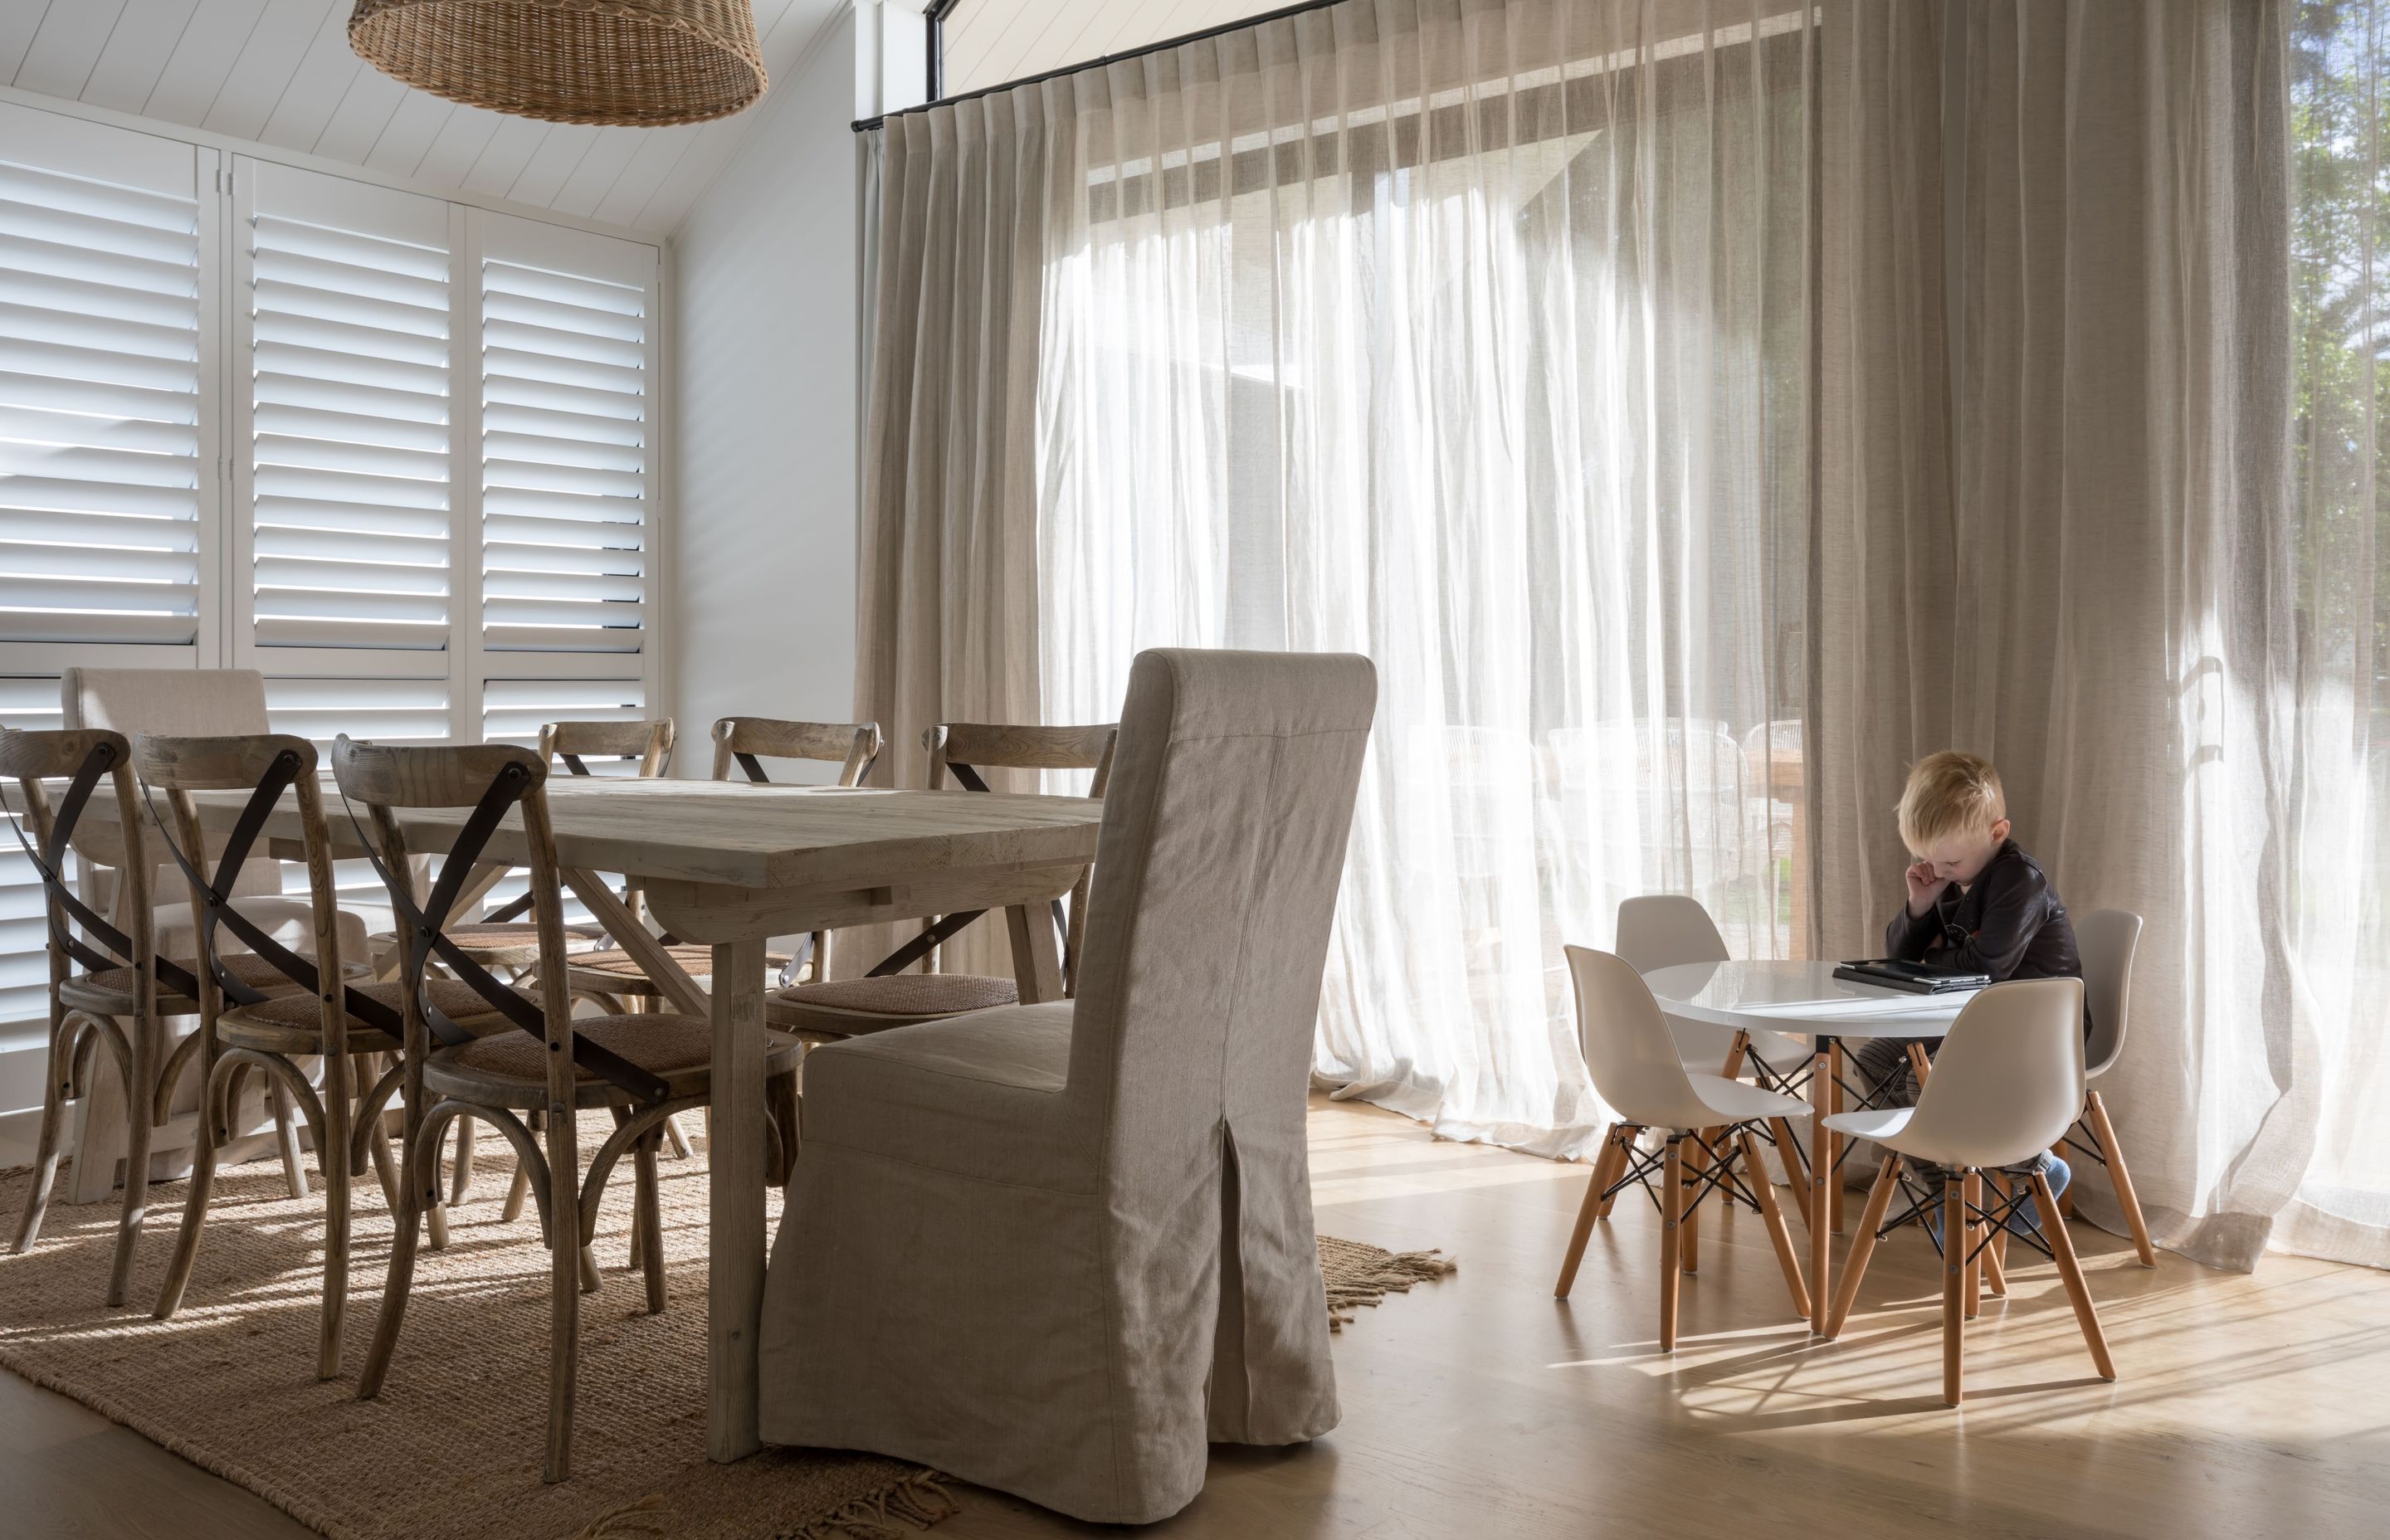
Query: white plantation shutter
{"x": 24, "y": 970}
{"x": 568, "y": 385}
{"x": 513, "y": 711}
{"x": 342, "y": 303}
{"x": 105, "y": 346}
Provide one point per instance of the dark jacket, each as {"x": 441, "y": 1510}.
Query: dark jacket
{"x": 2010, "y": 924}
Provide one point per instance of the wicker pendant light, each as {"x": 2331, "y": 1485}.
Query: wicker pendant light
{"x": 639, "y": 62}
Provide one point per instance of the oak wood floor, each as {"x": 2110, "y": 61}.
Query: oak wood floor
{"x": 1479, "y": 1405}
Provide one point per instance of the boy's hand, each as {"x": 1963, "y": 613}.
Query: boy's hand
{"x": 1924, "y": 888}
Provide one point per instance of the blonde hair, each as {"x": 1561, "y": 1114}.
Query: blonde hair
{"x": 1949, "y": 793}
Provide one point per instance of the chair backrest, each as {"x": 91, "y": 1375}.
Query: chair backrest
{"x": 180, "y": 701}
{"x": 1627, "y": 1049}
{"x": 31, "y": 758}
{"x": 179, "y": 767}
{"x": 2107, "y": 940}
{"x": 2008, "y": 1081}
{"x": 1216, "y": 871}
{"x": 1664, "y": 929}
{"x": 746, "y": 741}
{"x": 959, "y": 750}
{"x": 576, "y": 742}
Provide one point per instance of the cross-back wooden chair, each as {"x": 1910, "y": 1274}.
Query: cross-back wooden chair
{"x": 888, "y": 995}
{"x": 642, "y": 1067}
{"x": 613, "y": 977}
{"x": 247, "y": 1029}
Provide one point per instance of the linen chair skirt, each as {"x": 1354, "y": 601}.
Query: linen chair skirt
{"x": 1083, "y": 1358}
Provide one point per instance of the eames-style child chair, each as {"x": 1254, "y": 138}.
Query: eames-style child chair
{"x": 1659, "y": 930}
{"x": 2006, "y": 1083}
{"x": 1636, "y": 1070}
{"x": 247, "y": 1029}
{"x": 2108, "y": 939}
{"x": 1060, "y": 1248}
{"x": 888, "y": 996}
{"x": 613, "y": 977}
{"x": 641, "y": 1069}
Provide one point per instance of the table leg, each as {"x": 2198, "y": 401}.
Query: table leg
{"x": 1821, "y": 1283}
{"x": 1036, "y": 961}
{"x": 1834, "y": 1145}
{"x": 735, "y": 1299}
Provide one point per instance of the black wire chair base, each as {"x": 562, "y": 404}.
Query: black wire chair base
{"x": 1924, "y": 1200}
{"x": 1717, "y": 1176}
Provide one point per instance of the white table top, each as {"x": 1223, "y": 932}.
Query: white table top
{"x": 1801, "y": 998}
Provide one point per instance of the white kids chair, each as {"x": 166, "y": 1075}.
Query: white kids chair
{"x": 1635, "y": 1069}
{"x": 2108, "y": 939}
{"x": 1668, "y": 929}
{"x": 2007, "y": 1084}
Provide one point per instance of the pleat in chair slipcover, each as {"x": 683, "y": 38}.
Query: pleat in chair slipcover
{"x": 1058, "y": 1249}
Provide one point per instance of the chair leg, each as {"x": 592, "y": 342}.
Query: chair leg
{"x": 139, "y": 1097}
{"x": 2066, "y": 1200}
{"x": 1793, "y": 1183}
{"x": 1586, "y": 1213}
{"x": 519, "y": 1188}
{"x": 565, "y": 1261}
{"x": 2096, "y": 1112}
{"x": 285, "y": 1134}
{"x": 1887, "y": 1182}
{"x": 648, "y": 1215}
{"x": 2070, "y": 1272}
{"x": 1973, "y": 1283}
{"x": 1834, "y": 1062}
{"x": 1954, "y": 1286}
{"x": 1781, "y": 1238}
{"x": 1672, "y": 1215}
{"x": 1996, "y": 1255}
{"x": 1610, "y": 1165}
{"x": 58, "y": 1073}
{"x": 680, "y": 1147}
{"x": 1696, "y": 1162}
{"x": 460, "y": 1186}
{"x": 418, "y": 1189}
{"x": 214, "y": 1125}
{"x": 332, "y": 1155}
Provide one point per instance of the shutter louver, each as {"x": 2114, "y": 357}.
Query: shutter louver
{"x": 24, "y": 963}
{"x": 566, "y": 446}
{"x": 350, "y": 314}
{"x": 100, "y": 370}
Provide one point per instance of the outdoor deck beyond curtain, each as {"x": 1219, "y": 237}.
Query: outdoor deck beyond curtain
{"x": 1583, "y": 363}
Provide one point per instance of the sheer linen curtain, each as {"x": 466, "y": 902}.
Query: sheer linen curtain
{"x": 1473, "y": 336}
{"x": 2173, "y": 633}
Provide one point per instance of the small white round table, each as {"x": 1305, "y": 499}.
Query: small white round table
{"x": 1805, "y": 999}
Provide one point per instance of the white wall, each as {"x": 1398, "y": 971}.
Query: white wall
{"x": 762, "y": 484}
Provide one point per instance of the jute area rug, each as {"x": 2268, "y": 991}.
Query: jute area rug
{"x": 452, "y": 1448}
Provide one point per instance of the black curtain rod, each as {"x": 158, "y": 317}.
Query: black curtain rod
{"x": 863, "y": 125}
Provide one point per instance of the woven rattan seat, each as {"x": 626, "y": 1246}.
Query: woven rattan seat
{"x": 293, "y": 1023}
{"x": 110, "y": 991}
{"x": 848, "y": 1008}
{"x": 511, "y": 1067}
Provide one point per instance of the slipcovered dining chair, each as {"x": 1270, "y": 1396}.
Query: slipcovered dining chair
{"x": 2006, "y": 1084}
{"x": 1636, "y": 1068}
{"x": 1058, "y": 1249}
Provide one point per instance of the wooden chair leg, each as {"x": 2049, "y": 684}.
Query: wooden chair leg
{"x": 519, "y": 1188}
{"x": 139, "y": 1097}
{"x": 1996, "y": 1255}
{"x": 2066, "y": 1199}
{"x": 1672, "y": 1215}
{"x": 1611, "y": 1166}
{"x": 1973, "y": 1283}
{"x": 1688, "y": 1222}
{"x": 460, "y": 1183}
{"x": 2070, "y": 1272}
{"x": 1794, "y": 1184}
{"x": 565, "y": 1261}
{"x": 1834, "y": 1062}
{"x": 1887, "y": 1182}
{"x": 2096, "y": 1112}
{"x": 1778, "y": 1235}
{"x": 649, "y": 1217}
{"x": 58, "y": 1073}
{"x": 333, "y": 1156}
{"x": 680, "y": 1146}
{"x": 1586, "y": 1213}
{"x": 286, "y": 1134}
{"x": 214, "y": 1122}
{"x": 418, "y": 1189}
{"x": 1954, "y": 1286}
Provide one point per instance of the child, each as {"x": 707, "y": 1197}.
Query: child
{"x": 1976, "y": 903}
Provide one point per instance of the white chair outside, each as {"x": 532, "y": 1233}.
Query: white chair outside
{"x": 1636, "y": 1068}
{"x": 2108, "y": 939}
{"x": 2007, "y": 1084}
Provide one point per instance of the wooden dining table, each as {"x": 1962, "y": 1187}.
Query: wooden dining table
{"x": 731, "y": 865}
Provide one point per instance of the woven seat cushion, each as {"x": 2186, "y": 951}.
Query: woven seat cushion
{"x": 906, "y": 993}
{"x": 696, "y": 960}
{"x": 248, "y": 967}
{"x": 453, "y": 998}
{"x": 659, "y": 1043}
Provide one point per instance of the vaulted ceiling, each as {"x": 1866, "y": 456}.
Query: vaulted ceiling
{"x": 280, "y": 72}
{"x": 989, "y": 41}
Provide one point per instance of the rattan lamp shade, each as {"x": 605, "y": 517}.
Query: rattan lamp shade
{"x": 639, "y": 62}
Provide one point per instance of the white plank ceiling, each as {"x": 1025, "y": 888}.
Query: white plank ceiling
{"x": 990, "y": 42}
{"x": 280, "y": 72}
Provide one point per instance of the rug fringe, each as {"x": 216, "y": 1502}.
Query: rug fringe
{"x": 918, "y": 1501}
{"x": 1395, "y": 1274}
